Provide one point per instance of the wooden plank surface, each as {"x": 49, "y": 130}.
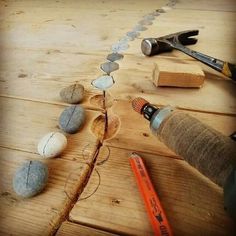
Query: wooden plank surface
{"x": 32, "y": 120}
{"x": 41, "y": 214}
{"x": 71, "y": 25}
{"x": 194, "y": 205}
{"x": 52, "y": 71}
{"x": 134, "y": 79}
{"x": 72, "y": 229}
{"x": 47, "y": 45}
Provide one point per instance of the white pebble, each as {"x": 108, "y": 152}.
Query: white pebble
{"x": 52, "y": 145}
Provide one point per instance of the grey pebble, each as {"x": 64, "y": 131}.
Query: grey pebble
{"x": 114, "y": 56}
{"x": 30, "y": 179}
{"x": 73, "y": 93}
{"x": 145, "y": 22}
{"x": 160, "y": 11}
{"x": 72, "y": 118}
{"x": 108, "y": 67}
{"x": 155, "y": 13}
{"x": 149, "y": 17}
{"x": 119, "y": 46}
{"x": 140, "y": 28}
{"x": 133, "y": 34}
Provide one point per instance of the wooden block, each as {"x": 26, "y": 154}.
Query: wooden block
{"x": 178, "y": 74}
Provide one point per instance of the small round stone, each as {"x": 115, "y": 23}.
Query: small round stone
{"x": 109, "y": 67}
{"x": 72, "y": 94}
{"x": 139, "y": 28}
{"x": 52, "y": 145}
{"x": 72, "y": 119}
{"x": 30, "y": 179}
{"x": 133, "y": 34}
{"x": 114, "y": 56}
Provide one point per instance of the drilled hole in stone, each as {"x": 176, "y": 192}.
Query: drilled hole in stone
{"x": 98, "y": 101}
{"x": 98, "y": 127}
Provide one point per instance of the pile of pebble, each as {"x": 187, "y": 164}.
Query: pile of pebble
{"x": 31, "y": 178}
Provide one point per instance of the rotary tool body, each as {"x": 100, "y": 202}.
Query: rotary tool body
{"x": 207, "y": 150}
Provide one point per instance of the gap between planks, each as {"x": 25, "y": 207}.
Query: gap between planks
{"x": 50, "y": 102}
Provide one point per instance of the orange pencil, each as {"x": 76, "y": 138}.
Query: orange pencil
{"x": 152, "y": 203}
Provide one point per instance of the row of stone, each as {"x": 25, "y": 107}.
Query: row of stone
{"x": 106, "y": 81}
{"x": 32, "y": 177}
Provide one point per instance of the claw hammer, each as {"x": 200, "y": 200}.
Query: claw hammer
{"x": 154, "y": 46}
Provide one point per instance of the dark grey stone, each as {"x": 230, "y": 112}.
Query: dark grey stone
{"x": 114, "y": 56}
{"x": 108, "y": 67}
{"x": 73, "y": 93}
{"x": 30, "y": 179}
{"x": 133, "y": 34}
{"x": 149, "y": 17}
{"x": 160, "y": 11}
{"x": 72, "y": 118}
{"x": 140, "y": 28}
{"x": 145, "y": 22}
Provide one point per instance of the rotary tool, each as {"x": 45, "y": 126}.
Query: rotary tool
{"x": 207, "y": 150}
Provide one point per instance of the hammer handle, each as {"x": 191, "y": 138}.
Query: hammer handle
{"x": 225, "y": 68}
{"x": 229, "y": 70}
{"x": 210, "y": 152}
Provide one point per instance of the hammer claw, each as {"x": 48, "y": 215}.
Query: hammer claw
{"x": 184, "y": 37}
{"x": 189, "y": 41}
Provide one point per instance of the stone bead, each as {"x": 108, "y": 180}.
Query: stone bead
{"x": 30, "y": 179}
{"x": 72, "y": 118}
{"x": 72, "y": 94}
{"x": 52, "y": 145}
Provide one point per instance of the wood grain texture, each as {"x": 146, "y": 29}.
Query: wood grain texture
{"x": 41, "y": 214}
{"x": 134, "y": 79}
{"x": 47, "y": 45}
{"x": 72, "y": 229}
{"x": 70, "y": 25}
{"x": 24, "y": 123}
{"x": 218, "y": 43}
{"x": 194, "y": 205}
{"x": 52, "y": 70}
{"x": 203, "y": 5}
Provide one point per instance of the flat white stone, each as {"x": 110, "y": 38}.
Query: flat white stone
{"x": 52, "y": 145}
{"x": 103, "y": 82}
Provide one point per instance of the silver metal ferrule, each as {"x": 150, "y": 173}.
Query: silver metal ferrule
{"x": 158, "y": 117}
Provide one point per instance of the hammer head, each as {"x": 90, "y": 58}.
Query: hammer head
{"x": 154, "y": 46}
